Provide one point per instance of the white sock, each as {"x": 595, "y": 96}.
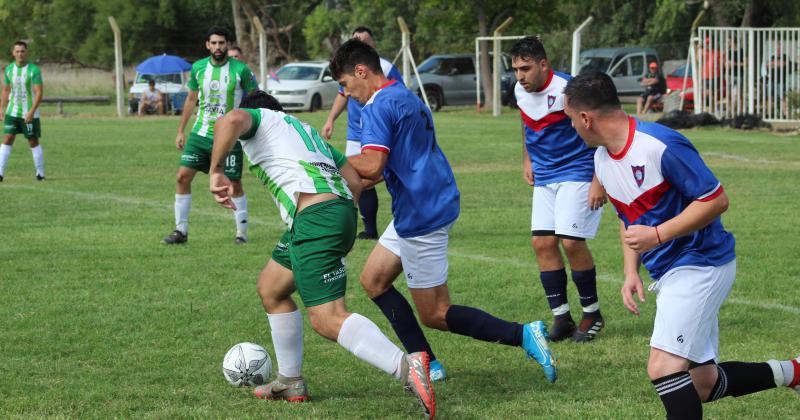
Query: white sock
{"x": 287, "y": 338}
{"x": 561, "y": 309}
{"x": 364, "y": 339}
{"x": 783, "y": 371}
{"x": 38, "y": 159}
{"x": 240, "y": 215}
{"x": 183, "y": 203}
{"x": 5, "y": 152}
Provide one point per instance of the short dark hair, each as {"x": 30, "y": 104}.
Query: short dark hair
{"x": 235, "y": 48}
{"x": 23, "y": 43}
{"x": 350, "y": 54}
{"x": 362, "y": 29}
{"x": 260, "y": 99}
{"x": 530, "y": 47}
{"x": 592, "y": 91}
{"x": 151, "y": 82}
{"x": 218, "y": 30}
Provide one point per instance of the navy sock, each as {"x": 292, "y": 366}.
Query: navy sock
{"x": 368, "y": 205}
{"x": 555, "y": 288}
{"x": 479, "y": 325}
{"x": 404, "y": 323}
{"x": 739, "y": 378}
{"x": 586, "y": 283}
{"x": 679, "y": 396}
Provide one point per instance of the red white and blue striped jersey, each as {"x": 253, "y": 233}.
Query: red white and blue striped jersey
{"x": 653, "y": 179}
{"x": 557, "y": 153}
{"x": 417, "y": 174}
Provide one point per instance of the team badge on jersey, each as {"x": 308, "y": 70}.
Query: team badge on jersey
{"x": 551, "y": 99}
{"x": 638, "y": 174}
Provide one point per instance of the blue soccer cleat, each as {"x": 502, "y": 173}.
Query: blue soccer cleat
{"x": 534, "y": 342}
{"x": 437, "y": 371}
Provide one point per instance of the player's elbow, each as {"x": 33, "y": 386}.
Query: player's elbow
{"x": 722, "y": 203}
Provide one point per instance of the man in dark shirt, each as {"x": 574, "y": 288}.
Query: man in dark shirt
{"x": 654, "y": 85}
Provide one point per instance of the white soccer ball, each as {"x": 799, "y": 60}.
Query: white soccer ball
{"x": 247, "y": 364}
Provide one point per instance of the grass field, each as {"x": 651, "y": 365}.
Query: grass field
{"x": 99, "y": 320}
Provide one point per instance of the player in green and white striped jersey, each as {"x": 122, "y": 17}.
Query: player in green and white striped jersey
{"x": 316, "y": 190}
{"x": 19, "y": 107}
{"x": 217, "y": 84}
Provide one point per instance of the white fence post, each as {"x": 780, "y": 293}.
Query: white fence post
{"x": 576, "y": 45}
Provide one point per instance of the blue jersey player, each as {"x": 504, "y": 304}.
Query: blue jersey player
{"x": 567, "y": 201}
{"x": 368, "y": 203}
{"x": 398, "y": 143}
{"x": 669, "y": 203}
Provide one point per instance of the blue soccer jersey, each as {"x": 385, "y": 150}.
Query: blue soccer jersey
{"x": 557, "y": 153}
{"x": 653, "y": 179}
{"x": 417, "y": 174}
{"x": 354, "y": 108}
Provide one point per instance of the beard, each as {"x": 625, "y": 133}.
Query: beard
{"x": 219, "y": 55}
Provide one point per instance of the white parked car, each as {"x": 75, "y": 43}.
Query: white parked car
{"x": 172, "y": 86}
{"x": 304, "y": 86}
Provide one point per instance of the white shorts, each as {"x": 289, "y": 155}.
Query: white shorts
{"x": 353, "y": 148}
{"x": 687, "y": 307}
{"x": 563, "y": 208}
{"x": 424, "y": 258}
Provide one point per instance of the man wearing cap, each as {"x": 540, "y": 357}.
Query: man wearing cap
{"x": 654, "y": 85}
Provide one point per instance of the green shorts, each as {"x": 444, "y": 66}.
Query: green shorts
{"x": 314, "y": 249}
{"x": 15, "y": 125}
{"x": 197, "y": 155}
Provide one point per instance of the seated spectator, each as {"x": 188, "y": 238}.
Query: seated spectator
{"x": 655, "y": 85}
{"x": 151, "y": 101}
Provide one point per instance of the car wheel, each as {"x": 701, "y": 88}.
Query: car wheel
{"x": 434, "y": 98}
{"x": 316, "y": 103}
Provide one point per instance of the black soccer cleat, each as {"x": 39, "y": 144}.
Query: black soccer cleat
{"x": 175, "y": 238}
{"x": 590, "y": 326}
{"x": 562, "y": 328}
{"x": 39, "y": 177}
{"x": 240, "y": 240}
{"x": 365, "y": 235}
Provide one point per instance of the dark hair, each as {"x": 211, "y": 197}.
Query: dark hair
{"x": 592, "y": 91}
{"x": 23, "y": 43}
{"x": 260, "y": 99}
{"x": 362, "y": 29}
{"x": 235, "y": 48}
{"x": 218, "y": 30}
{"x": 529, "y": 47}
{"x": 350, "y": 54}
{"x": 151, "y": 82}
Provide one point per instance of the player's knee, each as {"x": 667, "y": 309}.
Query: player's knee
{"x": 324, "y": 325}
{"x": 544, "y": 244}
{"x": 8, "y": 140}
{"x": 183, "y": 178}
{"x": 573, "y": 247}
{"x": 372, "y": 284}
{"x": 33, "y": 142}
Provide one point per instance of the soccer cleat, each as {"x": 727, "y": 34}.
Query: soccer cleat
{"x": 437, "y": 371}
{"x": 534, "y": 342}
{"x": 416, "y": 378}
{"x": 39, "y": 177}
{"x": 562, "y": 328}
{"x": 240, "y": 240}
{"x": 365, "y": 235}
{"x": 294, "y": 391}
{"x": 590, "y": 326}
{"x": 795, "y": 383}
{"x": 175, "y": 238}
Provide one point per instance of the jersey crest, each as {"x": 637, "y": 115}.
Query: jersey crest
{"x": 638, "y": 174}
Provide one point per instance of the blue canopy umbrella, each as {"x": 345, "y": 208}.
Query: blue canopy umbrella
{"x": 163, "y": 64}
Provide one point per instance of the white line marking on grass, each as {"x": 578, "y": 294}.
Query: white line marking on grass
{"x": 739, "y": 158}
{"x": 605, "y": 278}
{"x": 140, "y": 202}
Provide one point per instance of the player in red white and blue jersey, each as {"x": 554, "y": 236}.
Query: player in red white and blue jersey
{"x": 368, "y": 203}
{"x": 567, "y": 200}
{"x": 398, "y": 144}
{"x": 669, "y": 204}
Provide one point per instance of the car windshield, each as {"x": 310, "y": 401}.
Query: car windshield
{"x": 299, "y": 73}
{"x": 431, "y": 65}
{"x": 592, "y": 64}
{"x": 159, "y": 78}
{"x": 679, "y": 71}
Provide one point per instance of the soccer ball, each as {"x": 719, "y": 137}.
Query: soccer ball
{"x": 247, "y": 364}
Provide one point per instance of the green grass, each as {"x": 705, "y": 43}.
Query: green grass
{"x": 99, "y": 320}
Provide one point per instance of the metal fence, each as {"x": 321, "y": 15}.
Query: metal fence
{"x": 747, "y": 70}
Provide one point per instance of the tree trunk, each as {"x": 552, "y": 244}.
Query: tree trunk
{"x": 243, "y": 33}
{"x": 486, "y": 73}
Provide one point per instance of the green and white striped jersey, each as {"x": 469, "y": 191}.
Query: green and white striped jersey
{"x": 220, "y": 89}
{"x": 21, "y": 80}
{"x": 290, "y": 158}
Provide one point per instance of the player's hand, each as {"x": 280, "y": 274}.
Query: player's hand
{"x": 633, "y": 284}
{"x": 28, "y": 117}
{"x": 527, "y": 173}
{"x": 640, "y": 238}
{"x": 222, "y": 189}
{"x": 180, "y": 140}
{"x": 597, "y": 196}
{"x": 327, "y": 129}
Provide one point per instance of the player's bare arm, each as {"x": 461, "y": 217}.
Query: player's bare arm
{"x": 188, "y": 110}
{"x": 632, "y": 280}
{"x": 339, "y": 105}
{"x": 597, "y": 194}
{"x": 695, "y": 216}
{"x": 227, "y": 131}
{"x": 37, "y": 99}
{"x": 527, "y": 168}
{"x": 4, "y": 99}
{"x": 354, "y": 182}
{"x": 369, "y": 164}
